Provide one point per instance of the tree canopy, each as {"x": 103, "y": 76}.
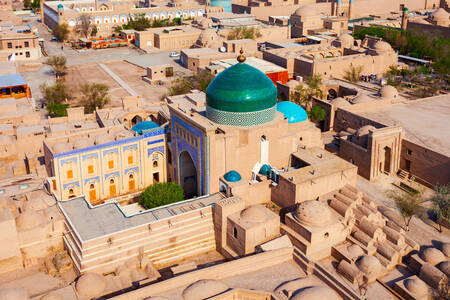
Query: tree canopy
{"x": 58, "y": 64}
{"x": 304, "y": 93}
{"x": 240, "y": 33}
{"x": 408, "y": 204}
{"x": 94, "y": 95}
{"x": 353, "y": 74}
{"x": 199, "y": 81}
{"x": 55, "y": 96}
{"x": 418, "y": 45}
{"x": 441, "y": 204}
{"x": 159, "y": 194}
{"x": 61, "y": 31}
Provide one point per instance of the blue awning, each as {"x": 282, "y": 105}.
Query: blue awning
{"x": 11, "y": 80}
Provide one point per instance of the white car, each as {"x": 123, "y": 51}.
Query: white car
{"x": 174, "y": 54}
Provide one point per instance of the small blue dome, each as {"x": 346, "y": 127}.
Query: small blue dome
{"x": 60, "y": 6}
{"x": 232, "y": 176}
{"x": 143, "y": 126}
{"x": 291, "y": 111}
{"x": 265, "y": 170}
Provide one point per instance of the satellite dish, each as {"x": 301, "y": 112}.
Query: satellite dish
{"x": 222, "y": 49}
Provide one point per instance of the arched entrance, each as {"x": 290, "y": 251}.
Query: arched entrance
{"x": 71, "y": 194}
{"x": 136, "y": 119}
{"x": 112, "y": 188}
{"x": 188, "y": 175}
{"x": 131, "y": 183}
{"x": 92, "y": 192}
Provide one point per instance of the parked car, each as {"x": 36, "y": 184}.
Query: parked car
{"x": 174, "y": 54}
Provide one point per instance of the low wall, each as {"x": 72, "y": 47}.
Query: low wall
{"x": 229, "y": 269}
{"x": 427, "y": 165}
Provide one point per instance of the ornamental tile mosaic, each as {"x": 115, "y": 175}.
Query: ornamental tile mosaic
{"x": 242, "y": 119}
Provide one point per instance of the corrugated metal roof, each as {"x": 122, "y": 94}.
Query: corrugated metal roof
{"x": 11, "y": 80}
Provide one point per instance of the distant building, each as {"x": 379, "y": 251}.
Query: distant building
{"x": 111, "y": 13}
{"x": 19, "y": 42}
{"x": 373, "y": 55}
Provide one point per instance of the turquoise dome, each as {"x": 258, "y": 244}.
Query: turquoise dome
{"x": 291, "y": 111}
{"x": 265, "y": 170}
{"x": 241, "y": 96}
{"x": 60, "y": 5}
{"x": 232, "y": 176}
{"x": 241, "y": 88}
{"x": 143, "y": 126}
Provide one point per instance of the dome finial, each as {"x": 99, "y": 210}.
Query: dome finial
{"x": 241, "y": 58}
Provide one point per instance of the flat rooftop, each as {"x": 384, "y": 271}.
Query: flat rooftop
{"x": 91, "y": 222}
{"x": 321, "y": 163}
{"x": 425, "y": 122}
{"x": 260, "y": 64}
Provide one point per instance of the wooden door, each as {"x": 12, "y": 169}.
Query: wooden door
{"x": 112, "y": 190}
{"x": 92, "y": 195}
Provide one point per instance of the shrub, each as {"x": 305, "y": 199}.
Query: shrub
{"x": 56, "y": 93}
{"x": 160, "y": 194}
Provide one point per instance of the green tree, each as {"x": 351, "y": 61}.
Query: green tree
{"x": 353, "y": 74}
{"x": 408, "y": 204}
{"x": 441, "y": 204}
{"x": 58, "y": 64}
{"x": 240, "y": 33}
{"x": 94, "y": 95}
{"x": 317, "y": 113}
{"x": 202, "y": 79}
{"x": 199, "y": 81}
{"x": 26, "y": 4}
{"x": 138, "y": 22}
{"x": 304, "y": 93}
{"x": 57, "y": 93}
{"x": 61, "y": 32}
{"x": 159, "y": 194}
{"x": 35, "y": 5}
{"x": 180, "y": 86}
{"x": 55, "y": 96}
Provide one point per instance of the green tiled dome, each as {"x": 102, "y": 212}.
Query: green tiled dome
{"x": 241, "y": 88}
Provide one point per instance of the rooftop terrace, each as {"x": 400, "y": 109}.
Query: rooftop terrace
{"x": 91, "y": 222}
{"x": 425, "y": 122}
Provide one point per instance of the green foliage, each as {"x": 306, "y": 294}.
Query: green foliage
{"x": 304, "y": 94}
{"x": 317, "y": 113}
{"x": 160, "y": 194}
{"x": 180, "y": 86}
{"x": 240, "y": 33}
{"x": 353, "y": 74}
{"x": 202, "y": 79}
{"x": 57, "y": 109}
{"x": 55, "y": 94}
{"x": 408, "y": 204}
{"x": 441, "y": 203}
{"x": 94, "y": 95}
{"x": 199, "y": 81}
{"x": 58, "y": 64}
{"x": 61, "y": 31}
{"x": 140, "y": 23}
{"x": 94, "y": 30}
{"x": 26, "y": 4}
{"x": 419, "y": 45}
{"x": 35, "y": 5}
